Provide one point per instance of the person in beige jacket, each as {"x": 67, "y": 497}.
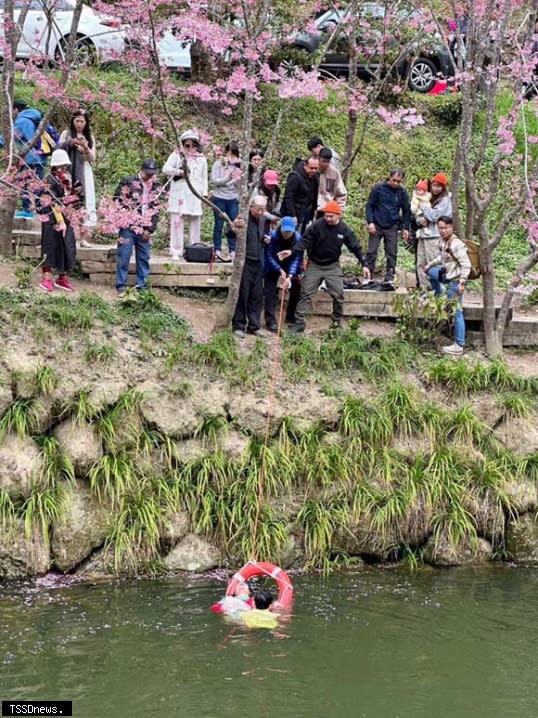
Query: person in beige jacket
{"x": 451, "y": 267}
{"x": 331, "y": 185}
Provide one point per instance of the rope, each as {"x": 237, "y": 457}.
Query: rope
{"x": 270, "y": 410}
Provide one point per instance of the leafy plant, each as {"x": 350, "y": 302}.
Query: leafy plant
{"x": 422, "y": 316}
{"x": 46, "y": 380}
{"x": 99, "y": 353}
{"x": 19, "y": 418}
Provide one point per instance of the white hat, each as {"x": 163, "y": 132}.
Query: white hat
{"x": 59, "y": 158}
{"x": 190, "y": 135}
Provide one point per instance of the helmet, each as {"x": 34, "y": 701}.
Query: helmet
{"x": 59, "y": 158}
{"x": 190, "y": 135}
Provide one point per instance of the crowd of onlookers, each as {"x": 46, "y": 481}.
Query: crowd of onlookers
{"x": 284, "y": 223}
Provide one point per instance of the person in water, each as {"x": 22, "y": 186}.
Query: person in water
{"x": 261, "y": 616}
{"x": 236, "y": 604}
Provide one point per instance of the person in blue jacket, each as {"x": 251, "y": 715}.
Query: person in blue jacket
{"x": 285, "y": 236}
{"x": 32, "y": 165}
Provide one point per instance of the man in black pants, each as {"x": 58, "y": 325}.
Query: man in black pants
{"x": 323, "y": 242}
{"x": 387, "y": 209}
{"x": 246, "y": 318}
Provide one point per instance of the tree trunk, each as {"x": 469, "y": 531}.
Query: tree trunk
{"x": 224, "y": 317}
{"x": 491, "y": 335}
{"x": 7, "y": 210}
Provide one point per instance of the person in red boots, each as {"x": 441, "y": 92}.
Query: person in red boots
{"x": 58, "y": 246}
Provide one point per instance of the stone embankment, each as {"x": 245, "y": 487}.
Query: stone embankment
{"x": 120, "y": 439}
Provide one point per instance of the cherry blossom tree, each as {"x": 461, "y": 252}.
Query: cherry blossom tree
{"x": 14, "y": 154}
{"x": 499, "y": 164}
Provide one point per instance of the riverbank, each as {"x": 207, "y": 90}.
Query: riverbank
{"x": 134, "y": 442}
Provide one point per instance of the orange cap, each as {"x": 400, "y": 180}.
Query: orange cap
{"x": 440, "y": 178}
{"x": 332, "y": 207}
{"x": 423, "y": 185}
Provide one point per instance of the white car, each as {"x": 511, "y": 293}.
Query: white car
{"x": 48, "y": 25}
{"x": 100, "y": 37}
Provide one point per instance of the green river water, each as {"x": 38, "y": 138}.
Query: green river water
{"x": 374, "y": 644}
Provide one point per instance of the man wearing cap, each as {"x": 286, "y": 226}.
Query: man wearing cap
{"x": 323, "y": 242}
{"x": 32, "y": 165}
{"x": 331, "y": 185}
{"x": 388, "y": 209}
{"x": 287, "y": 270}
{"x": 138, "y": 201}
{"x": 247, "y": 315}
{"x": 301, "y": 192}
{"x": 182, "y": 203}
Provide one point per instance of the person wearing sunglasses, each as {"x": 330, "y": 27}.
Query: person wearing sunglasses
{"x": 183, "y": 203}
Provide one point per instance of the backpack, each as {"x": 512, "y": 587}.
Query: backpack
{"x": 50, "y": 137}
{"x": 473, "y": 252}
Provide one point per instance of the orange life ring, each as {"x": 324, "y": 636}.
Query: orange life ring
{"x": 263, "y": 568}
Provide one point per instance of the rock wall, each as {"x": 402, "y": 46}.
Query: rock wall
{"x": 125, "y": 472}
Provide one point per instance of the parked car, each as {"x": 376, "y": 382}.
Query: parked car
{"x": 422, "y": 63}
{"x": 48, "y": 25}
{"x": 100, "y": 38}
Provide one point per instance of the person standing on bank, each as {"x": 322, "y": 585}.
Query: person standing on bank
{"x": 331, "y": 185}
{"x": 247, "y": 315}
{"x": 440, "y": 205}
{"x": 79, "y": 143}
{"x": 323, "y": 243}
{"x": 287, "y": 270}
{"x": 387, "y": 210}
{"x": 182, "y": 203}
{"x": 139, "y": 196}
{"x": 225, "y": 179}
{"x": 58, "y": 246}
{"x": 32, "y": 167}
{"x": 301, "y": 192}
{"x": 448, "y": 271}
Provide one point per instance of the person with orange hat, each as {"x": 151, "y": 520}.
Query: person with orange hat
{"x": 323, "y": 242}
{"x": 440, "y": 205}
{"x": 387, "y": 211}
{"x": 420, "y": 197}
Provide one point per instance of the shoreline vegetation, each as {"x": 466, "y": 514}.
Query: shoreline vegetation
{"x": 127, "y": 447}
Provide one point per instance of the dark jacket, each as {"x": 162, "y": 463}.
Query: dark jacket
{"x": 58, "y": 249}
{"x": 254, "y": 246}
{"x": 300, "y": 195}
{"x": 129, "y": 195}
{"x": 388, "y": 206}
{"x": 271, "y": 263}
{"x": 323, "y": 242}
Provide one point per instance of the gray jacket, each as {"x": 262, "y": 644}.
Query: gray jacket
{"x": 432, "y": 214}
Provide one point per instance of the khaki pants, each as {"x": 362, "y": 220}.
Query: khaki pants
{"x": 314, "y": 276}
{"x": 427, "y": 249}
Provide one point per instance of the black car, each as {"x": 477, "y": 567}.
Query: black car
{"x": 422, "y": 62}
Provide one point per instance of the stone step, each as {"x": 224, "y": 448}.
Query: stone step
{"x": 27, "y": 224}
{"x": 26, "y": 237}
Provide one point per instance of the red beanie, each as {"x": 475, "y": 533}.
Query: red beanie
{"x": 332, "y": 207}
{"x": 440, "y": 178}
{"x": 423, "y": 185}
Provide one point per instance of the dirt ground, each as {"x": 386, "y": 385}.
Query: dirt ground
{"x": 200, "y": 312}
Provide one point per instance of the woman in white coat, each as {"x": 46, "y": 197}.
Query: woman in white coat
{"x": 182, "y": 203}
